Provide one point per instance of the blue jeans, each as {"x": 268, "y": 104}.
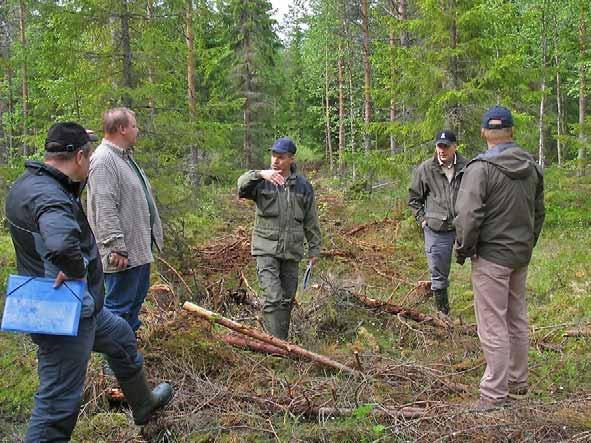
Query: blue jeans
{"x": 62, "y": 362}
{"x": 126, "y": 291}
{"x": 439, "y": 247}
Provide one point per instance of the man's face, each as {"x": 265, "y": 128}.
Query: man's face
{"x": 82, "y": 165}
{"x": 446, "y": 152}
{"x": 282, "y": 162}
{"x": 130, "y": 131}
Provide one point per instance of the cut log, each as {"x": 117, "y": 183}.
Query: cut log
{"x": 254, "y": 345}
{"x": 391, "y": 308}
{"x": 260, "y": 335}
{"x": 579, "y": 332}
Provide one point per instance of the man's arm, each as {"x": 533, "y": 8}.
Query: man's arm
{"x": 539, "y": 207}
{"x": 470, "y": 207}
{"x": 417, "y": 194}
{"x": 61, "y": 235}
{"x": 312, "y": 227}
{"x": 104, "y": 201}
{"x": 247, "y": 183}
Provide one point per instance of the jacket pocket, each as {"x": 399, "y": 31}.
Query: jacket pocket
{"x": 267, "y": 204}
{"x": 298, "y": 208}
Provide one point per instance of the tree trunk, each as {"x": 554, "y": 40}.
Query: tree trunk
{"x": 582, "y": 154}
{"x": 366, "y": 74}
{"x": 392, "y": 41}
{"x": 328, "y": 134}
{"x": 541, "y": 144}
{"x": 341, "y": 80}
{"x": 127, "y": 76}
{"x": 403, "y": 15}
{"x": 24, "y": 76}
{"x": 559, "y": 118}
{"x": 248, "y": 92}
{"x": 452, "y": 115}
{"x": 151, "y": 75}
{"x": 191, "y": 92}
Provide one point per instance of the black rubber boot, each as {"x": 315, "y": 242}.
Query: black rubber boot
{"x": 441, "y": 300}
{"x": 141, "y": 400}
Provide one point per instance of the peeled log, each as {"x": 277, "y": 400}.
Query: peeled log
{"x": 259, "y": 335}
{"x": 253, "y": 345}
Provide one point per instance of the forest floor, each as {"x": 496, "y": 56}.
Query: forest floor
{"x": 413, "y": 380}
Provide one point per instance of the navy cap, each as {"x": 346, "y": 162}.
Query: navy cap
{"x": 67, "y": 137}
{"x": 284, "y": 145}
{"x": 497, "y": 113}
{"x": 445, "y": 138}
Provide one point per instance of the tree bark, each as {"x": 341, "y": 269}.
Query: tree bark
{"x": 392, "y": 42}
{"x": 151, "y": 74}
{"x": 542, "y": 141}
{"x": 266, "y": 338}
{"x": 582, "y": 154}
{"x": 127, "y": 76}
{"x": 341, "y": 80}
{"x": 364, "y": 10}
{"x": 191, "y": 92}
{"x": 24, "y": 75}
{"x": 328, "y": 133}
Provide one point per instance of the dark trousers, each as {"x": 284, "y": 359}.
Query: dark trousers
{"x": 439, "y": 247}
{"x": 62, "y": 362}
{"x": 126, "y": 292}
{"x": 279, "y": 280}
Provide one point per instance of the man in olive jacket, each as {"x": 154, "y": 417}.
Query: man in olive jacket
{"x": 500, "y": 210}
{"x": 285, "y": 217}
{"x": 432, "y": 195}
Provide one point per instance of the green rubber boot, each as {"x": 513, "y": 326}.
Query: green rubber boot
{"x": 441, "y": 300}
{"x": 277, "y": 323}
{"x": 143, "y": 401}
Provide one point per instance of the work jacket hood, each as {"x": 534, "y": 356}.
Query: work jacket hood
{"x": 511, "y": 160}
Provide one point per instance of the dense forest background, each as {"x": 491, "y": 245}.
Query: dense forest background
{"x": 215, "y": 81}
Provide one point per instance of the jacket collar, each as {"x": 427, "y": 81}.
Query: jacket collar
{"x": 40, "y": 168}
{"x": 123, "y": 153}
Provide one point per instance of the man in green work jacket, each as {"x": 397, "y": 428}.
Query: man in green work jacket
{"x": 432, "y": 195}
{"x": 285, "y": 218}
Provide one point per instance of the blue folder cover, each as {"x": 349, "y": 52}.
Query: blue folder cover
{"x": 34, "y": 306}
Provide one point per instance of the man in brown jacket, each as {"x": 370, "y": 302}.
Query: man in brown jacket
{"x": 500, "y": 209}
{"x": 432, "y": 195}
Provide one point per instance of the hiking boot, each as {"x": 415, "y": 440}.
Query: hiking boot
{"x": 441, "y": 300}
{"x": 487, "y": 404}
{"x": 517, "y": 392}
{"x": 143, "y": 401}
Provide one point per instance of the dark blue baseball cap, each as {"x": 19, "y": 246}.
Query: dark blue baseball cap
{"x": 284, "y": 145}
{"x": 67, "y": 137}
{"x": 497, "y": 113}
{"x": 445, "y": 137}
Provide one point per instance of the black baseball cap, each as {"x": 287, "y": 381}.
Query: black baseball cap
{"x": 67, "y": 137}
{"x": 497, "y": 113}
{"x": 284, "y": 145}
{"x": 445, "y": 137}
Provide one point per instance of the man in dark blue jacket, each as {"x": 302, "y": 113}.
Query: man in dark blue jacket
{"x": 52, "y": 238}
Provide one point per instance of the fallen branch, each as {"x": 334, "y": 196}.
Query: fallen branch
{"x": 391, "y": 308}
{"x": 254, "y": 345}
{"x": 266, "y": 338}
{"x": 580, "y": 332}
{"x": 308, "y": 410}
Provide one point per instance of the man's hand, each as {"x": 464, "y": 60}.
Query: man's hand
{"x": 423, "y": 224}
{"x": 313, "y": 260}
{"x": 272, "y": 176}
{"x": 59, "y": 279}
{"x": 119, "y": 261}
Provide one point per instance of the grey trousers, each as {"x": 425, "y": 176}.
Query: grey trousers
{"x": 501, "y": 317}
{"x": 439, "y": 247}
{"x": 62, "y": 362}
{"x": 279, "y": 280}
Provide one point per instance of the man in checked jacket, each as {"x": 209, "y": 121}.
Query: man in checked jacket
{"x": 123, "y": 216}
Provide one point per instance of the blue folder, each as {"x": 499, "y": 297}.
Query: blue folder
{"x": 34, "y": 306}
